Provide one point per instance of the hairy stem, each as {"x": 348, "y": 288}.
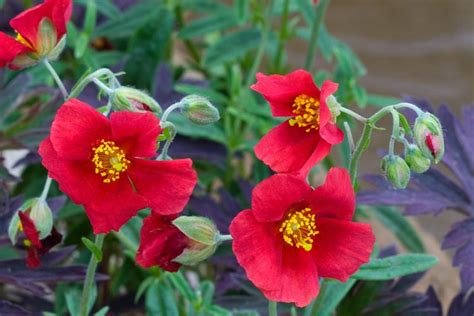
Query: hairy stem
{"x": 56, "y": 78}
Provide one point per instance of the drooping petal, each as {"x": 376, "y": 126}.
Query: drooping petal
{"x": 257, "y": 249}
{"x": 287, "y": 148}
{"x": 165, "y": 185}
{"x": 76, "y": 130}
{"x": 10, "y": 49}
{"x": 335, "y": 198}
{"x": 274, "y": 196}
{"x": 323, "y": 149}
{"x": 298, "y": 281}
{"x": 281, "y": 90}
{"x": 29, "y": 228}
{"x": 136, "y": 133}
{"x": 160, "y": 243}
{"x": 341, "y": 247}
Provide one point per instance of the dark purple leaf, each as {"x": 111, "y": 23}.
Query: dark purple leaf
{"x": 198, "y": 149}
{"x": 7, "y": 308}
{"x": 56, "y": 204}
{"x": 462, "y": 305}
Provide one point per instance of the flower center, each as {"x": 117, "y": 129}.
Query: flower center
{"x": 299, "y": 228}
{"x": 109, "y": 161}
{"x": 307, "y": 112}
{"x": 22, "y": 40}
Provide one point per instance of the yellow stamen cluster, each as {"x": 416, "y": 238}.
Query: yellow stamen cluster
{"x": 299, "y": 228}
{"x": 22, "y": 40}
{"x": 109, "y": 160}
{"x": 307, "y": 112}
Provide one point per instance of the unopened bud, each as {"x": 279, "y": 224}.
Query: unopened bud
{"x": 428, "y": 135}
{"x": 416, "y": 160}
{"x": 203, "y": 239}
{"x": 334, "y": 107}
{"x": 396, "y": 171}
{"x": 134, "y": 100}
{"x": 41, "y": 215}
{"x": 199, "y": 110}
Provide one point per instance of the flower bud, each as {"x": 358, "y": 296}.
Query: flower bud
{"x": 199, "y": 110}
{"x": 428, "y": 135}
{"x": 396, "y": 171}
{"x": 41, "y": 215}
{"x": 203, "y": 239}
{"x": 134, "y": 100}
{"x": 416, "y": 160}
{"x": 334, "y": 107}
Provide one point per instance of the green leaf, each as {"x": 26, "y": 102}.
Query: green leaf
{"x": 381, "y": 100}
{"x": 400, "y": 227}
{"x": 203, "y": 5}
{"x": 73, "y": 300}
{"x": 395, "y": 266}
{"x": 160, "y": 300}
{"x": 332, "y": 292}
{"x": 182, "y": 285}
{"x": 221, "y": 20}
{"x": 405, "y": 124}
{"x": 212, "y": 95}
{"x": 105, "y": 7}
{"x": 207, "y": 292}
{"x": 241, "y": 10}
{"x": 232, "y": 46}
{"x": 360, "y": 96}
{"x": 143, "y": 287}
{"x": 215, "y": 310}
{"x": 210, "y": 132}
{"x": 93, "y": 248}
{"x": 103, "y": 311}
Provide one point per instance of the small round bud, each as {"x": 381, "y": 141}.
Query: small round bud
{"x": 396, "y": 171}
{"x": 199, "y": 110}
{"x": 334, "y": 107}
{"x": 41, "y": 215}
{"x": 134, "y": 100}
{"x": 203, "y": 239}
{"x": 416, "y": 160}
{"x": 428, "y": 135}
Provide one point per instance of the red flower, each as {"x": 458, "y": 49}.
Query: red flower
{"x": 160, "y": 243}
{"x": 35, "y": 246}
{"x": 295, "y": 234}
{"x": 39, "y": 30}
{"x": 299, "y": 143}
{"x": 101, "y": 164}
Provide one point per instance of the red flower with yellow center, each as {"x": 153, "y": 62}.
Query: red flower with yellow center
{"x": 104, "y": 165}
{"x": 295, "y": 234}
{"x": 299, "y": 143}
{"x": 32, "y": 242}
{"x": 40, "y": 30}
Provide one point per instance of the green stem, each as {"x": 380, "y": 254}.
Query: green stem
{"x": 46, "y": 187}
{"x": 263, "y": 43}
{"x": 56, "y": 78}
{"x": 283, "y": 36}
{"x": 353, "y": 114}
{"x": 171, "y": 108}
{"x": 315, "y": 27}
{"x": 225, "y": 237}
{"x": 272, "y": 308}
{"x": 90, "y": 275}
{"x": 102, "y": 86}
{"x": 172, "y": 130}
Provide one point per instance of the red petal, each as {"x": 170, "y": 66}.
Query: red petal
{"x": 322, "y": 150}
{"x": 165, "y": 185}
{"x": 32, "y": 258}
{"x": 9, "y": 49}
{"x": 30, "y": 229}
{"x": 257, "y": 250}
{"x": 280, "y": 91}
{"x": 160, "y": 243}
{"x": 76, "y": 129}
{"x": 335, "y": 198}
{"x": 136, "y": 132}
{"x": 27, "y": 23}
{"x": 327, "y": 89}
{"x": 287, "y": 148}
{"x": 50, "y": 241}
{"x": 341, "y": 247}
{"x": 332, "y": 134}
{"x": 298, "y": 282}
{"x": 273, "y": 197}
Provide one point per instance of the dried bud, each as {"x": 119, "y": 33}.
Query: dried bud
{"x": 396, "y": 171}
{"x": 334, "y": 107}
{"x": 199, "y": 110}
{"x": 428, "y": 135}
{"x": 41, "y": 215}
{"x": 203, "y": 239}
{"x": 416, "y": 160}
{"x": 134, "y": 100}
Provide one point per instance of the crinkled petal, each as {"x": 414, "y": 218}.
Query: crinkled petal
{"x": 165, "y": 185}
{"x": 136, "y": 133}
{"x": 281, "y": 90}
{"x": 335, "y": 198}
{"x": 10, "y": 49}
{"x": 273, "y": 197}
{"x": 286, "y": 148}
{"x": 77, "y": 129}
{"x": 257, "y": 249}
{"x": 298, "y": 281}
{"x": 341, "y": 247}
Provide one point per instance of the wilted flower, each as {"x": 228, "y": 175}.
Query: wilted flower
{"x": 41, "y": 34}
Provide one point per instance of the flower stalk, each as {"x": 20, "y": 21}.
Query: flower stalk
{"x": 56, "y": 78}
